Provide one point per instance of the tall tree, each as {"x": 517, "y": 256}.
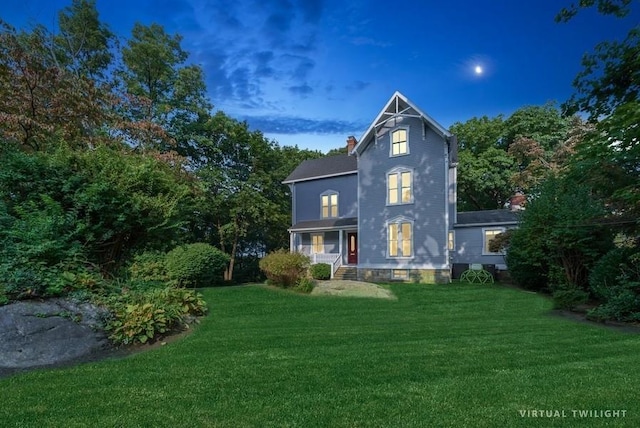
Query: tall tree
{"x": 41, "y": 102}
{"x": 172, "y": 94}
{"x": 484, "y": 180}
{"x": 611, "y": 75}
{"x": 543, "y": 124}
{"x": 607, "y": 89}
{"x": 478, "y": 134}
{"x": 84, "y": 43}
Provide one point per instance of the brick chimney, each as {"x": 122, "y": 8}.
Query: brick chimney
{"x": 351, "y": 143}
{"x": 517, "y": 202}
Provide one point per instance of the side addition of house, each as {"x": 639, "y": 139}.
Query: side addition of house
{"x": 387, "y": 209}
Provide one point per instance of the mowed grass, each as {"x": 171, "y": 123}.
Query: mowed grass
{"x": 447, "y": 355}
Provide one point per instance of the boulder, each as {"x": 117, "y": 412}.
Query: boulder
{"x": 50, "y": 332}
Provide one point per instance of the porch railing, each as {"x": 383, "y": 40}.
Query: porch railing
{"x": 335, "y": 260}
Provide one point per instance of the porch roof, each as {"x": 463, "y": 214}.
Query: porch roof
{"x": 325, "y": 224}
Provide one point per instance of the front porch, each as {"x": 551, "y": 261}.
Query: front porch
{"x": 330, "y": 241}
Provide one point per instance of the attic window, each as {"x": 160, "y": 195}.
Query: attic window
{"x": 399, "y": 142}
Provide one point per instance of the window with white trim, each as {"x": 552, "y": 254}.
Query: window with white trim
{"x": 489, "y": 235}
{"x": 399, "y": 186}
{"x": 329, "y": 205}
{"x": 317, "y": 244}
{"x": 400, "y": 238}
{"x": 399, "y": 142}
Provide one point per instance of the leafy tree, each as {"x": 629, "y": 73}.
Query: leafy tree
{"x": 562, "y": 227}
{"x": 41, "y": 103}
{"x": 170, "y": 94}
{"x": 479, "y": 134}
{"x": 543, "y": 124}
{"x": 610, "y": 77}
{"x": 618, "y": 8}
{"x": 484, "y": 180}
{"x": 607, "y": 161}
{"x": 83, "y": 44}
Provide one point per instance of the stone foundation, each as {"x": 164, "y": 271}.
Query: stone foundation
{"x": 425, "y": 276}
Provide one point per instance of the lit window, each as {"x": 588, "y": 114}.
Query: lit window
{"x": 450, "y": 241}
{"x": 329, "y": 205}
{"x": 400, "y": 242}
{"x": 399, "y": 145}
{"x": 399, "y": 185}
{"x": 488, "y": 236}
{"x": 399, "y": 274}
{"x": 317, "y": 244}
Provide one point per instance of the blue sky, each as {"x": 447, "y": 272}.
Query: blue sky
{"x": 312, "y": 72}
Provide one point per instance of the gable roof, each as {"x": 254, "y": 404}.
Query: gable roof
{"x": 329, "y": 166}
{"x": 486, "y": 218}
{"x": 397, "y": 107}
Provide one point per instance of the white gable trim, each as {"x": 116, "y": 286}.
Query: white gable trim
{"x": 396, "y": 111}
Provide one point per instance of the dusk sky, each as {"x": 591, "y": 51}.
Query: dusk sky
{"x": 312, "y": 72}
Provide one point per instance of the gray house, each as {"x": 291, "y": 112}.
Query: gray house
{"x": 387, "y": 209}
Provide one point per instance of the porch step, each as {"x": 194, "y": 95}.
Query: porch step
{"x": 346, "y": 273}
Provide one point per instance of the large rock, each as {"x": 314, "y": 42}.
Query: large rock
{"x": 42, "y": 333}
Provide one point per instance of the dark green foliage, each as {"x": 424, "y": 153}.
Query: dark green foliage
{"x": 149, "y": 266}
{"x": 140, "y": 316}
{"x": 304, "y": 285}
{"x": 320, "y": 271}
{"x": 605, "y": 275}
{"x": 565, "y": 294}
{"x": 284, "y": 269}
{"x": 196, "y": 265}
{"x": 616, "y": 281}
{"x": 569, "y": 297}
{"x": 103, "y": 204}
{"x": 562, "y": 227}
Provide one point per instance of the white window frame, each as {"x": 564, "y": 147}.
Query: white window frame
{"x": 485, "y": 241}
{"x": 398, "y": 222}
{"x": 317, "y": 243}
{"x": 328, "y": 194}
{"x": 397, "y": 172}
{"x": 406, "y": 141}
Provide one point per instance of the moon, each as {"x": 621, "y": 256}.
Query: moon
{"x": 478, "y": 69}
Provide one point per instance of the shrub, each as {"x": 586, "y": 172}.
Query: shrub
{"x": 196, "y": 265}
{"x": 284, "y": 269}
{"x": 621, "y": 293}
{"x": 149, "y": 266}
{"x": 604, "y": 277}
{"x": 304, "y": 285}
{"x": 320, "y": 271}
{"x": 140, "y": 316}
{"x": 568, "y": 297}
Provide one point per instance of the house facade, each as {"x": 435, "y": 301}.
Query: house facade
{"x": 387, "y": 209}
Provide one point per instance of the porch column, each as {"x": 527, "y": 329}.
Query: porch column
{"x": 340, "y": 233}
{"x": 292, "y": 241}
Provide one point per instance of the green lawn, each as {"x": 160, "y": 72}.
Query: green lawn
{"x": 448, "y": 355}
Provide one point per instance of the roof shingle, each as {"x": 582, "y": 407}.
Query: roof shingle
{"x": 323, "y": 167}
{"x": 488, "y": 217}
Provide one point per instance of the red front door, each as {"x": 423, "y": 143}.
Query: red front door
{"x": 352, "y": 248}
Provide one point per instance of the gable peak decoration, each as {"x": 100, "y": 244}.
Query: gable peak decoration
{"x": 398, "y": 109}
